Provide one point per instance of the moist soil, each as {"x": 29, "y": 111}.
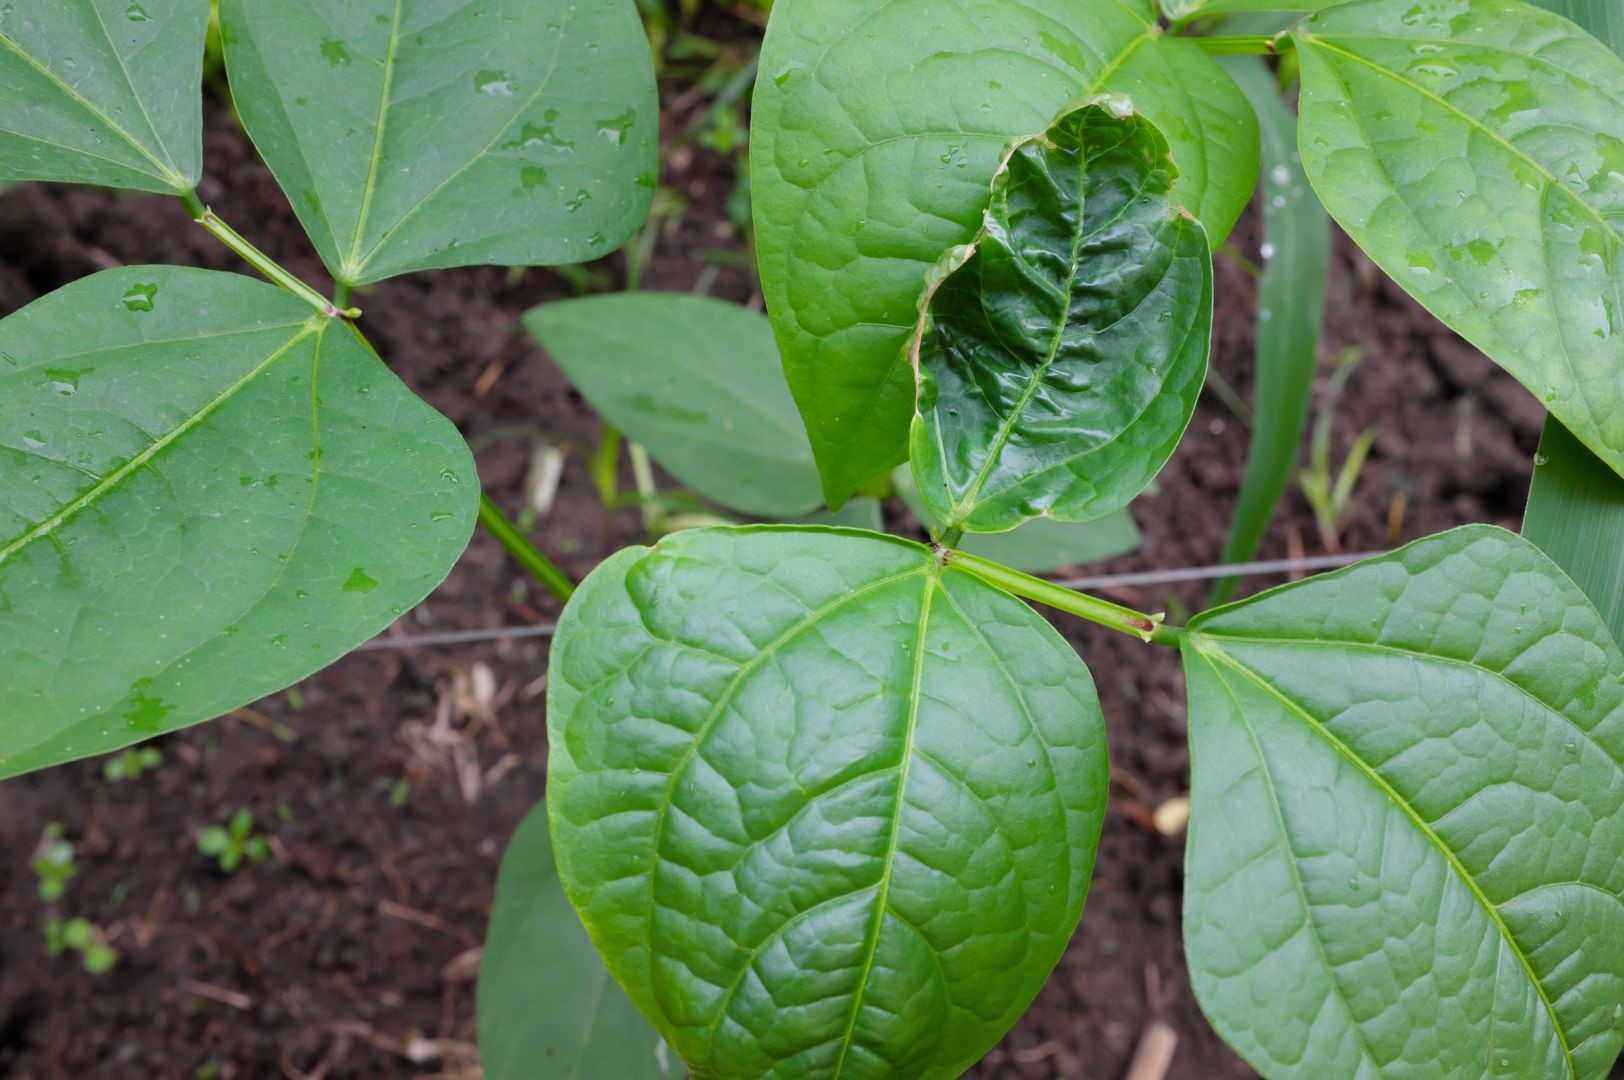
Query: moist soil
{"x": 388, "y": 784}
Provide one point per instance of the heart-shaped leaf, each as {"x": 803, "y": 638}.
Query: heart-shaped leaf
{"x": 103, "y": 92}
{"x": 1060, "y": 358}
{"x": 547, "y": 1005}
{"x": 696, "y": 381}
{"x": 207, "y": 492}
{"x": 1406, "y": 846}
{"x": 826, "y": 807}
{"x": 413, "y": 135}
{"x": 1475, "y": 150}
{"x": 878, "y": 125}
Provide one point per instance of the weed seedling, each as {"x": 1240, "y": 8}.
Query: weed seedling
{"x": 233, "y": 842}
{"x": 83, "y": 937}
{"x": 53, "y": 864}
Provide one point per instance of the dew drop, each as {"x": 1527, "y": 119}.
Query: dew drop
{"x": 494, "y": 83}
{"x": 617, "y": 128}
{"x": 1267, "y": 250}
{"x": 532, "y": 177}
{"x": 136, "y": 13}
{"x": 1280, "y": 175}
{"x": 441, "y": 515}
{"x": 334, "y": 52}
{"x": 140, "y": 297}
{"x": 1541, "y": 459}
{"x": 359, "y": 582}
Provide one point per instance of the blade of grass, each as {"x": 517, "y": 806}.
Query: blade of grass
{"x": 1291, "y": 307}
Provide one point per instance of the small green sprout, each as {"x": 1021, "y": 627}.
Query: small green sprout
{"x": 233, "y": 843}
{"x": 1330, "y": 496}
{"x": 83, "y": 937}
{"x": 131, "y": 764}
{"x": 53, "y": 863}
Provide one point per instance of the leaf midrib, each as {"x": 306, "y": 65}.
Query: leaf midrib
{"x": 351, "y": 268}
{"x": 1209, "y": 648}
{"x": 168, "y": 174}
{"x": 734, "y": 683}
{"x": 1473, "y": 122}
{"x": 871, "y": 943}
{"x": 117, "y": 476}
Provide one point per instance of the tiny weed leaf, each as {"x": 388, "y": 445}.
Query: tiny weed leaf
{"x": 877, "y": 127}
{"x": 93, "y": 96}
{"x": 576, "y": 1019}
{"x": 1475, "y": 150}
{"x": 191, "y": 487}
{"x": 825, "y": 806}
{"x": 696, "y": 381}
{"x": 1407, "y": 835}
{"x": 411, "y": 135}
{"x": 1060, "y": 361}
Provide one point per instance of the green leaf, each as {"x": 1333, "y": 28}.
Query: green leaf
{"x": 1576, "y": 516}
{"x": 1604, "y": 21}
{"x": 1060, "y": 358}
{"x": 877, "y": 128}
{"x": 1291, "y": 311}
{"x": 1407, "y": 840}
{"x": 697, "y": 382}
{"x": 207, "y": 492}
{"x": 412, "y": 135}
{"x": 1475, "y": 150}
{"x": 826, "y": 807}
{"x": 1040, "y": 545}
{"x": 546, "y": 1002}
{"x": 1183, "y": 10}
{"x": 103, "y": 92}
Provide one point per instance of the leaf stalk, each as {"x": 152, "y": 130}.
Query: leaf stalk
{"x": 526, "y": 554}
{"x": 262, "y": 262}
{"x": 1125, "y": 620}
{"x": 1252, "y": 45}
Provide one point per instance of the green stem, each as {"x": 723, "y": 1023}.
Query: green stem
{"x": 606, "y": 467}
{"x": 260, "y": 261}
{"x": 648, "y": 493}
{"x": 341, "y": 295}
{"x": 1258, "y": 45}
{"x": 1126, "y": 620}
{"x": 526, "y": 554}
{"x": 951, "y": 537}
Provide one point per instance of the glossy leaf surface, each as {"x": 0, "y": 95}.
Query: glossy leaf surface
{"x": 547, "y": 1006}
{"x": 1576, "y": 516}
{"x": 207, "y": 492}
{"x": 413, "y": 135}
{"x": 103, "y": 92}
{"x": 1060, "y": 361}
{"x": 1179, "y": 10}
{"x": 1407, "y": 837}
{"x": 878, "y": 125}
{"x": 1040, "y": 545}
{"x": 1291, "y": 310}
{"x": 1475, "y": 150}
{"x": 696, "y": 381}
{"x": 826, "y": 808}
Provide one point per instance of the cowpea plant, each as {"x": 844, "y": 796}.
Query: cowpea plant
{"x": 828, "y": 801}
{"x": 211, "y": 486}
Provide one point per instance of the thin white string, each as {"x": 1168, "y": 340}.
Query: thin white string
{"x": 1104, "y": 581}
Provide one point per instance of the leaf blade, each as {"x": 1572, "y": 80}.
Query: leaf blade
{"x": 575, "y": 1018}
{"x": 507, "y": 131}
{"x": 697, "y": 382}
{"x": 643, "y": 845}
{"x": 1423, "y": 698}
{"x": 99, "y": 96}
{"x": 864, "y": 177}
{"x": 157, "y": 412}
{"x": 1060, "y": 361}
{"x": 1531, "y": 255}
{"x": 1576, "y": 516}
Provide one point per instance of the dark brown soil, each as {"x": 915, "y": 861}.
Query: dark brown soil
{"x": 352, "y": 951}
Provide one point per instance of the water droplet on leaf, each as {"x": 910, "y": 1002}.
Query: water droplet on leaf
{"x": 140, "y": 297}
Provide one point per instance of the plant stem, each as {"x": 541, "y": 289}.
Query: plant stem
{"x": 1259, "y": 45}
{"x": 526, "y": 554}
{"x": 606, "y": 467}
{"x": 341, "y": 295}
{"x": 1126, "y": 620}
{"x": 951, "y": 537}
{"x": 648, "y": 493}
{"x": 260, "y": 261}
